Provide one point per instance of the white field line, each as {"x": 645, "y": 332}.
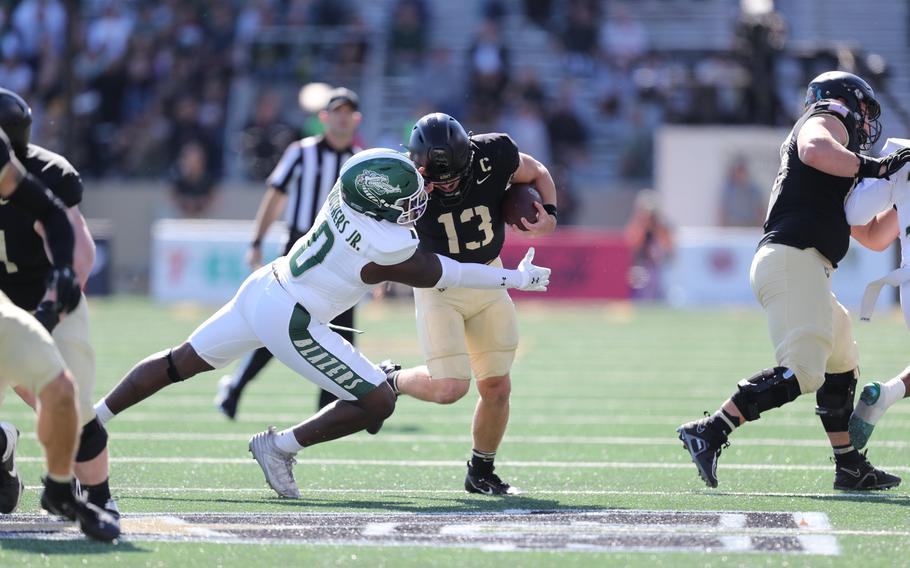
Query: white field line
{"x": 451, "y": 463}
{"x": 460, "y": 439}
{"x": 121, "y": 491}
{"x": 407, "y": 418}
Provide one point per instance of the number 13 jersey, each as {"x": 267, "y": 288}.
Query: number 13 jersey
{"x": 469, "y": 228}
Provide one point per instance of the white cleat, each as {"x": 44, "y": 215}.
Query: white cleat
{"x": 866, "y": 415}
{"x": 276, "y": 464}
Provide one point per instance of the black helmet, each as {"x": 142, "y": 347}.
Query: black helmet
{"x": 441, "y": 145}
{"x": 849, "y": 87}
{"x": 15, "y": 120}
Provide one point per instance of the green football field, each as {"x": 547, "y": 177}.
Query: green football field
{"x": 598, "y": 391}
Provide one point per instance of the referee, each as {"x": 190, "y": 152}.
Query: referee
{"x": 299, "y": 184}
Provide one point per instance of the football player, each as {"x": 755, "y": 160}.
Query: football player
{"x": 806, "y": 235}
{"x": 24, "y": 269}
{"x": 462, "y": 330}
{"x": 29, "y": 357}
{"x": 362, "y": 236}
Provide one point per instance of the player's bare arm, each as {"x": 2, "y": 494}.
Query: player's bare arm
{"x": 878, "y": 233}
{"x": 533, "y": 172}
{"x": 270, "y": 208}
{"x": 821, "y": 144}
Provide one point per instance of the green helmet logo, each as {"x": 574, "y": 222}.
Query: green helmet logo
{"x": 383, "y": 184}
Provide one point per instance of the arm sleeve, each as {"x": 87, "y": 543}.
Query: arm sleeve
{"x": 471, "y": 275}
{"x": 869, "y": 198}
{"x": 42, "y": 204}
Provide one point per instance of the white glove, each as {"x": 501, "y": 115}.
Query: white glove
{"x": 533, "y": 278}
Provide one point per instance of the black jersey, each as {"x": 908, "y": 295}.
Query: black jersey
{"x": 24, "y": 266}
{"x": 807, "y": 205}
{"x": 470, "y": 228}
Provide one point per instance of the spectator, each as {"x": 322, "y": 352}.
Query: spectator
{"x": 540, "y": 12}
{"x": 650, "y": 240}
{"x": 637, "y": 157}
{"x": 34, "y": 20}
{"x": 567, "y": 132}
{"x": 407, "y": 37}
{"x": 488, "y": 62}
{"x": 193, "y": 188}
{"x": 579, "y": 37}
{"x": 742, "y": 204}
{"x": 15, "y": 74}
{"x": 623, "y": 38}
{"x": 265, "y": 137}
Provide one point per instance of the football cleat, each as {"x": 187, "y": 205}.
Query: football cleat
{"x": 866, "y": 414}
{"x": 863, "y": 476}
{"x": 489, "y": 484}
{"x": 276, "y": 464}
{"x": 94, "y": 522}
{"x": 704, "y": 446}
{"x": 11, "y": 485}
{"x": 227, "y": 398}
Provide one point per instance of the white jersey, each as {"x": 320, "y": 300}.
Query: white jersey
{"x": 869, "y": 198}
{"x": 322, "y": 270}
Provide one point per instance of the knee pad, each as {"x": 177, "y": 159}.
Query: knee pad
{"x": 771, "y": 388}
{"x": 92, "y": 442}
{"x": 835, "y": 400}
{"x": 172, "y": 372}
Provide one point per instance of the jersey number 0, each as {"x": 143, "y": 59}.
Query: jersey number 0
{"x": 313, "y": 250}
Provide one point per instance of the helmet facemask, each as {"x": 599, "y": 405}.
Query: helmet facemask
{"x": 413, "y": 207}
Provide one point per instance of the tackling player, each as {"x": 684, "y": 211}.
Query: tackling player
{"x": 806, "y": 235}
{"x": 24, "y": 269}
{"x": 29, "y": 357}
{"x": 463, "y": 330}
{"x": 362, "y": 236}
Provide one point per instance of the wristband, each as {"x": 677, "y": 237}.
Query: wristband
{"x": 256, "y": 243}
{"x": 551, "y": 210}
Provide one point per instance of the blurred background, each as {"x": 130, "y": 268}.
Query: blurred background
{"x": 659, "y": 119}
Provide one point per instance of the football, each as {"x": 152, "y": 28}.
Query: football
{"x": 518, "y": 203}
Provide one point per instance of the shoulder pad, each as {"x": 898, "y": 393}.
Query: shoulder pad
{"x": 388, "y": 243}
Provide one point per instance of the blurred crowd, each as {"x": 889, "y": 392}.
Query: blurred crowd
{"x": 151, "y": 82}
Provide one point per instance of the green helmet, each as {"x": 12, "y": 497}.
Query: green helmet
{"x": 383, "y": 184}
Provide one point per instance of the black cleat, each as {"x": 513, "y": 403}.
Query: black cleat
{"x": 704, "y": 445}
{"x": 11, "y": 485}
{"x": 863, "y": 476}
{"x": 94, "y": 522}
{"x": 227, "y": 398}
{"x": 488, "y": 484}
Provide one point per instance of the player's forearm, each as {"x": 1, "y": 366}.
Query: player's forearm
{"x": 472, "y": 275}
{"x": 84, "y": 252}
{"x": 878, "y": 233}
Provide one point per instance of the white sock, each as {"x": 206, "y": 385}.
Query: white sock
{"x": 102, "y": 412}
{"x": 287, "y": 442}
{"x": 892, "y": 391}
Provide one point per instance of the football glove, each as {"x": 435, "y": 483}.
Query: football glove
{"x": 63, "y": 281}
{"x": 883, "y": 167}
{"x": 533, "y": 278}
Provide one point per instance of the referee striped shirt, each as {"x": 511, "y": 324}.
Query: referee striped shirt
{"x": 306, "y": 173}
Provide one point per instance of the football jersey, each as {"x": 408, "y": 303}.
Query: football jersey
{"x": 24, "y": 266}
{"x": 807, "y": 205}
{"x": 322, "y": 270}
{"x": 469, "y": 228}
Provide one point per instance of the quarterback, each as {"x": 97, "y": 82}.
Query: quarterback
{"x": 362, "y": 236}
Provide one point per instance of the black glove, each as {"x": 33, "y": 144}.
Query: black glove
{"x": 63, "y": 281}
{"x": 882, "y": 167}
{"x": 48, "y": 315}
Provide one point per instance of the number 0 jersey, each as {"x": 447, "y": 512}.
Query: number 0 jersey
{"x": 322, "y": 269}
{"x": 470, "y": 228}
